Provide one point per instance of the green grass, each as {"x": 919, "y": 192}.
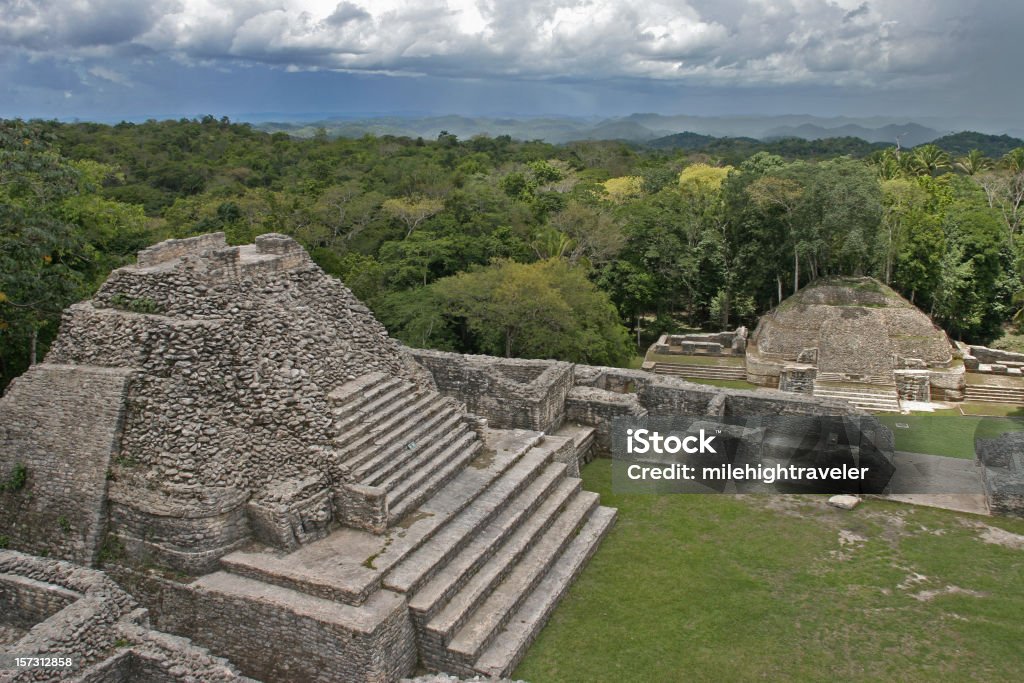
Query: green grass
{"x": 726, "y": 588}
{"x": 943, "y": 432}
{"x": 720, "y": 361}
{"x": 992, "y": 409}
{"x": 1010, "y": 341}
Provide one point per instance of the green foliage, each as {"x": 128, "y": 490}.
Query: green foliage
{"x": 547, "y": 309}
{"x": 135, "y": 305}
{"x": 707, "y": 240}
{"x": 16, "y": 480}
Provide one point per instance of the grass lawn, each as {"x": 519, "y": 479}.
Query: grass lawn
{"x": 720, "y": 361}
{"x": 728, "y": 588}
{"x": 992, "y": 409}
{"x": 944, "y": 432}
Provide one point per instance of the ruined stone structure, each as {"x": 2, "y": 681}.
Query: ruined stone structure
{"x": 235, "y": 439}
{"x": 236, "y": 442}
{"x": 854, "y": 339}
{"x": 58, "y": 609}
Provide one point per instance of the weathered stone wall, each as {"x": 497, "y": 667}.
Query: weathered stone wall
{"x": 174, "y": 249}
{"x": 797, "y": 380}
{"x": 80, "y": 613}
{"x": 374, "y": 642}
{"x": 598, "y": 407}
{"x": 1002, "y": 461}
{"x": 82, "y": 628}
{"x": 26, "y": 602}
{"x": 186, "y": 528}
{"x": 59, "y": 426}
{"x": 510, "y": 393}
{"x": 743, "y": 403}
{"x": 987, "y": 355}
{"x": 235, "y": 370}
{"x": 913, "y": 385}
{"x": 231, "y": 352}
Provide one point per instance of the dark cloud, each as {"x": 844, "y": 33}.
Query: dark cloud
{"x": 880, "y": 51}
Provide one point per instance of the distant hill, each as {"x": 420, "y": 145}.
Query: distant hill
{"x": 993, "y": 146}
{"x": 719, "y": 135}
{"x": 908, "y": 134}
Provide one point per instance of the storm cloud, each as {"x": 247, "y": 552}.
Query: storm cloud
{"x": 881, "y": 46}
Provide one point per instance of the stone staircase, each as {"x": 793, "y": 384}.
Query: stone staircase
{"x": 700, "y": 371}
{"x": 992, "y": 394}
{"x": 874, "y": 397}
{"x": 404, "y": 441}
{"x": 482, "y": 563}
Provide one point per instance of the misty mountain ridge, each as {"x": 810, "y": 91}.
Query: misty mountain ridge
{"x": 657, "y": 130}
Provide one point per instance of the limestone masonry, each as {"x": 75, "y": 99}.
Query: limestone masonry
{"x": 225, "y": 468}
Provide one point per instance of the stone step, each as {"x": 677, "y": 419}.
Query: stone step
{"x": 491, "y": 616}
{"x": 856, "y": 396}
{"x": 348, "y": 424}
{"x": 365, "y": 618}
{"x": 360, "y": 402}
{"x": 439, "y": 630}
{"x": 439, "y": 425}
{"x": 865, "y": 379}
{"x": 866, "y": 390}
{"x": 510, "y": 646}
{"x": 353, "y": 429}
{"x": 893, "y": 405}
{"x": 436, "y": 592}
{"x": 354, "y": 390}
{"x": 700, "y": 371}
{"x": 421, "y": 565}
{"x": 993, "y": 399}
{"x": 416, "y": 489}
{"x": 375, "y": 432}
{"x": 995, "y": 394}
{"x": 459, "y": 495}
{"x": 394, "y": 473}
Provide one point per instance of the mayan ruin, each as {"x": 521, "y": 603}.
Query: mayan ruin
{"x": 227, "y": 447}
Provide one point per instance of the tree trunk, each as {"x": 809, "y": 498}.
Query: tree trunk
{"x": 508, "y": 342}
{"x": 778, "y": 280}
{"x": 32, "y": 346}
{"x": 796, "y": 271}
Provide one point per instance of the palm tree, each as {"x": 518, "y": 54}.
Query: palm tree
{"x": 974, "y": 162}
{"x": 929, "y": 159}
{"x": 1014, "y": 160}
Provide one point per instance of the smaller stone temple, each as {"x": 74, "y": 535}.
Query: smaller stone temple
{"x": 850, "y": 338}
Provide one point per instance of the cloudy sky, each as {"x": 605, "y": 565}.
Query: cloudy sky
{"x": 957, "y": 60}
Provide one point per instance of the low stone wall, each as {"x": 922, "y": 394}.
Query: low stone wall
{"x": 322, "y": 641}
{"x": 292, "y": 512}
{"x": 983, "y": 354}
{"x": 80, "y": 613}
{"x": 913, "y": 385}
{"x": 1002, "y": 461}
{"x": 82, "y": 629}
{"x": 186, "y": 528}
{"x": 59, "y": 430}
{"x": 26, "y": 602}
{"x": 598, "y": 407}
{"x": 797, "y": 380}
{"x": 510, "y": 393}
{"x": 169, "y": 250}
